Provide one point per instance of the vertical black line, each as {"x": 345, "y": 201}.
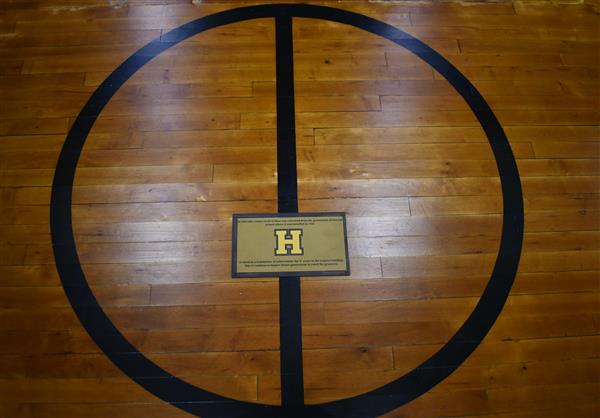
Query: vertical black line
{"x": 290, "y": 342}
{"x": 290, "y": 318}
{"x": 287, "y": 188}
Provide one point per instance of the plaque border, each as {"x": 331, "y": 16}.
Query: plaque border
{"x": 317, "y": 273}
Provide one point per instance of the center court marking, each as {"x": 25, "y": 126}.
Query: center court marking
{"x": 200, "y": 402}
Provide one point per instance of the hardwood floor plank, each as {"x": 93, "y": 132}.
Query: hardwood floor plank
{"x": 229, "y": 364}
{"x": 33, "y": 126}
{"x": 466, "y": 264}
{"x": 550, "y": 396}
{"x": 207, "y": 339}
{"x": 572, "y": 47}
{"x": 191, "y": 139}
{"x": 112, "y": 389}
{"x": 587, "y": 411}
{"x": 147, "y": 409}
{"x": 157, "y": 317}
{"x": 573, "y": 150}
{"x": 54, "y": 296}
{"x": 74, "y": 38}
{"x": 466, "y": 204}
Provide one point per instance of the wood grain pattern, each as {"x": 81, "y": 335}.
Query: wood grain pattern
{"x": 191, "y": 139}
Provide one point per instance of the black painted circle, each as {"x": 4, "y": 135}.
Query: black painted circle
{"x": 206, "y": 404}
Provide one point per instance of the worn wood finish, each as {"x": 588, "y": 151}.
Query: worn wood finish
{"x": 190, "y": 139}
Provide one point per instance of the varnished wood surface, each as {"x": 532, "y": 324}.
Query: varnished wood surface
{"x": 190, "y": 139}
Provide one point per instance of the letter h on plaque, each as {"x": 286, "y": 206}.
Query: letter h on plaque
{"x": 288, "y": 242}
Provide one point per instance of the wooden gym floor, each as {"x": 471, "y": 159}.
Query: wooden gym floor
{"x": 190, "y": 139}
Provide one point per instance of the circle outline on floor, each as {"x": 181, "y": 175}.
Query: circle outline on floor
{"x": 207, "y": 404}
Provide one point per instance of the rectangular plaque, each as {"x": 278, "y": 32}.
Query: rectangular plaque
{"x": 290, "y": 244}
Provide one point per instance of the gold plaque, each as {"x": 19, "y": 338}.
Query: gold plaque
{"x": 290, "y": 244}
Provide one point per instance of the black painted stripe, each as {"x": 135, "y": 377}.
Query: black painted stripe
{"x": 290, "y": 321}
{"x": 287, "y": 188}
